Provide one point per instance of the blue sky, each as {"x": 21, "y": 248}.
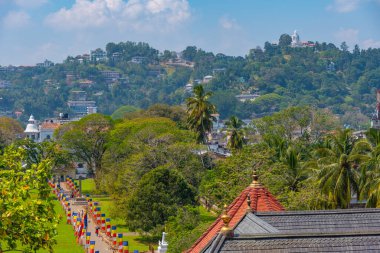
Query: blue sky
{"x": 34, "y": 30}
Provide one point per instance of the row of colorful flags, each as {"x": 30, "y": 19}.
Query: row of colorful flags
{"x": 79, "y": 220}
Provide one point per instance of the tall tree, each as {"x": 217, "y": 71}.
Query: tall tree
{"x": 158, "y": 196}
{"x": 86, "y": 140}
{"x": 10, "y": 129}
{"x": 28, "y": 219}
{"x": 338, "y": 161}
{"x": 234, "y": 126}
{"x": 199, "y": 113}
{"x": 284, "y": 40}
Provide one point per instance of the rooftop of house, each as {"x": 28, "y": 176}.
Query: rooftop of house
{"x": 49, "y": 125}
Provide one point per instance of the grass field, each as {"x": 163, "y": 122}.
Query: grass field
{"x": 135, "y": 242}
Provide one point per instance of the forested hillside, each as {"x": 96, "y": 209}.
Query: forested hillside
{"x": 322, "y": 75}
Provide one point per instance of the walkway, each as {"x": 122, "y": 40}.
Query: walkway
{"x": 100, "y": 245}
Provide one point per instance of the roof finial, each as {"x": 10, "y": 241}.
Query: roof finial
{"x": 255, "y": 183}
{"x": 225, "y": 230}
{"x": 249, "y": 208}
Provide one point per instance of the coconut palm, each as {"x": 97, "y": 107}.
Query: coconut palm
{"x": 296, "y": 171}
{"x": 370, "y": 170}
{"x": 234, "y": 126}
{"x": 338, "y": 161}
{"x": 199, "y": 113}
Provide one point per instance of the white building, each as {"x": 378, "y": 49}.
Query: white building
{"x": 42, "y": 132}
{"x": 247, "y": 97}
{"x": 47, "y": 129}
{"x": 31, "y": 130}
{"x": 207, "y": 79}
{"x": 189, "y": 88}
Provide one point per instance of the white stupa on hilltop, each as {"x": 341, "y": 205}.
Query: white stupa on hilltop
{"x": 296, "y": 42}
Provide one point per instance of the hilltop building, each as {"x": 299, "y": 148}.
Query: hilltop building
{"x": 375, "y": 120}
{"x": 45, "y": 64}
{"x": 296, "y": 42}
{"x": 247, "y": 97}
{"x": 98, "y": 55}
{"x": 189, "y": 88}
{"x": 257, "y": 222}
{"x": 79, "y": 105}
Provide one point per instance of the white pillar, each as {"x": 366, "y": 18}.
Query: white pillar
{"x": 162, "y": 245}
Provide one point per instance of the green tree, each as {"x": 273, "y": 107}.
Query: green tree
{"x": 28, "y": 219}
{"x": 158, "y": 196}
{"x": 234, "y": 126}
{"x": 199, "y": 113}
{"x": 284, "y": 40}
{"x": 10, "y": 129}
{"x": 121, "y": 111}
{"x": 86, "y": 140}
{"x": 295, "y": 173}
{"x": 338, "y": 161}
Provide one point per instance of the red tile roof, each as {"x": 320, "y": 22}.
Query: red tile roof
{"x": 261, "y": 200}
{"x": 50, "y": 125}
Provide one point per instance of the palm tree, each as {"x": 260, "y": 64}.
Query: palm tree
{"x": 370, "y": 170}
{"x": 199, "y": 113}
{"x": 338, "y": 161}
{"x": 236, "y": 132}
{"x": 296, "y": 171}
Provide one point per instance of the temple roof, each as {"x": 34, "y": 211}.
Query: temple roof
{"x": 344, "y": 230}
{"x": 260, "y": 200}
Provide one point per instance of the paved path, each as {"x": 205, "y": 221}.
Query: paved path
{"x": 100, "y": 245}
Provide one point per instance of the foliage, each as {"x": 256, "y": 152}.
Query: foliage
{"x": 323, "y": 76}
{"x": 86, "y": 140}
{"x": 158, "y": 196}
{"x": 338, "y": 160}
{"x": 121, "y": 111}
{"x": 28, "y": 217}
{"x": 199, "y": 113}
{"x": 236, "y": 139}
{"x": 186, "y": 227}
{"x": 10, "y": 129}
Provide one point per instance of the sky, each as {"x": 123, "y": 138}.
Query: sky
{"x": 34, "y": 30}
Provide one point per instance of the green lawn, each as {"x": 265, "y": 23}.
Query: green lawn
{"x": 88, "y": 186}
{"x": 134, "y": 241}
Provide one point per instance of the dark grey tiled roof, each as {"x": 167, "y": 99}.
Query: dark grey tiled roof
{"x": 251, "y": 224}
{"x": 328, "y": 221}
{"x": 302, "y": 243}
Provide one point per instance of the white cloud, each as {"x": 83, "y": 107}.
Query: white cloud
{"x": 370, "y": 43}
{"x": 344, "y": 6}
{"x": 16, "y": 19}
{"x": 349, "y": 35}
{"x": 133, "y": 14}
{"x": 29, "y": 3}
{"x": 228, "y": 23}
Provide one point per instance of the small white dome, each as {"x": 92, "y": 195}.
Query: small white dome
{"x": 31, "y": 127}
